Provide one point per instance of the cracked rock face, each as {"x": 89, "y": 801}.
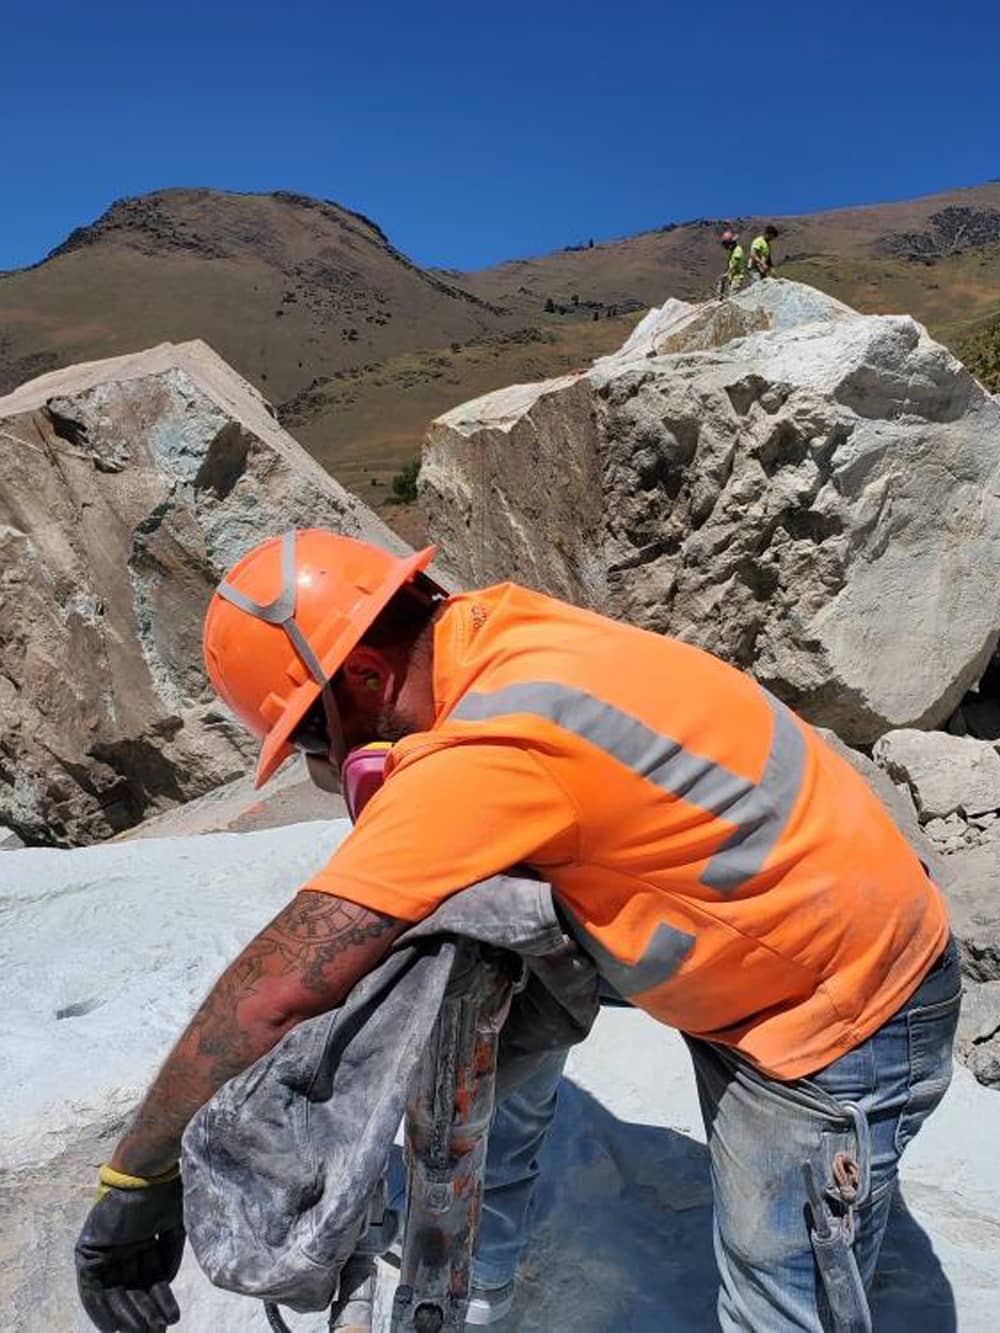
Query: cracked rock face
{"x": 810, "y": 493}
{"x": 128, "y": 487}
{"x": 979, "y": 1031}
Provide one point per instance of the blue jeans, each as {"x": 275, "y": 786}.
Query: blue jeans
{"x": 517, "y": 1131}
{"x": 851, "y": 1121}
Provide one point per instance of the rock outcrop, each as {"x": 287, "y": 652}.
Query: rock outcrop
{"x": 810, "y": 493}
{"x": 947, "y": 775}
{"x": 289, "y": 798}
{"x": 128, "y": 487}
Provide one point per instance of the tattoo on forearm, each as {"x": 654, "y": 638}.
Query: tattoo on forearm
{"x": 322, "y": 944}
{"x": 311, "y": 935}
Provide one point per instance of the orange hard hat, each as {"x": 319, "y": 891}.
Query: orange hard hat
{"x": 283, "y": 620}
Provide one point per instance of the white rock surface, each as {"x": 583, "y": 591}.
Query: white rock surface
{"x": 810, "y": 493}
{"x": 980, "y": 1014}
{"x": 104, "y": 953}
{"x": 945, "y": 774}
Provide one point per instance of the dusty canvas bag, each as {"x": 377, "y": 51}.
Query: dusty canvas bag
{"x": 279, "y": 1167}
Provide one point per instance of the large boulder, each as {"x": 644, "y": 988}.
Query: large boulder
{"x": 126, "y": 488}
{"x": 808, "y": 492}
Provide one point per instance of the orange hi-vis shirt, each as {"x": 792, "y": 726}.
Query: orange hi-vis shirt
{"x": 728, "y": 872}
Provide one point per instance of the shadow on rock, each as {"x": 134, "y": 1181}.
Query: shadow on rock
{"x": 622, "y": 1237}
{"x": 912, "y": 1290}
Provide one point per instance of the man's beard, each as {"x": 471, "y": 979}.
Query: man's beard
{"x": 392, "y": 725}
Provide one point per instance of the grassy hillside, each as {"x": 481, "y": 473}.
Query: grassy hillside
{"x": 951, "y": 295}
{"x": 358, "y": 348}
{"x": 365, "y": 423}
{"x": 980, "y": 350}
{"x": 684, "y": 259}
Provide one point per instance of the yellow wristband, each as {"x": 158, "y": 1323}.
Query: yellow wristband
{"x": 109, "y": 1178}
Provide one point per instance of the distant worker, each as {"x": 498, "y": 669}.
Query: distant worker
{"x": 761, "y": 259}
{"x": 733, "y": 278}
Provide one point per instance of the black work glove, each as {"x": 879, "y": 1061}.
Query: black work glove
{"x": 129, "y": 1252}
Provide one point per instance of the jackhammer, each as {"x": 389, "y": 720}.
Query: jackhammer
{"x": 446, "y": 1132}
{"x": 446, "y": 1135}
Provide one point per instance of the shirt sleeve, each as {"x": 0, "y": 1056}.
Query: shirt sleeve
{"x": 446, "y": 818}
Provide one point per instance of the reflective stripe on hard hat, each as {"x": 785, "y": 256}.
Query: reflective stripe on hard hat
{"x": 282, "y": 610}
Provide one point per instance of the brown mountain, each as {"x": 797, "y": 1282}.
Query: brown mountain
{"x": 358, "y": 347}
{"x": 279, "y": 284}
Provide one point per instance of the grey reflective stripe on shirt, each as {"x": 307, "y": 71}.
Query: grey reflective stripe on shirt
{"x": 759, "y": 810}
{"x": 662, "y": 956}
{"x": 763, "y": 812}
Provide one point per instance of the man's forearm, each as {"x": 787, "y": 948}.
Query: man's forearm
{"x": 303, "y": 963}
{"x": 217, "y": 1044}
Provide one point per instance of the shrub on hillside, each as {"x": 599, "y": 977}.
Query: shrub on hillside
{"x": 981, "y": 353}
{"x": 404, "y": 483}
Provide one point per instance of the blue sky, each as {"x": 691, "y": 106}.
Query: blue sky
{"x": 475, "y": 132}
